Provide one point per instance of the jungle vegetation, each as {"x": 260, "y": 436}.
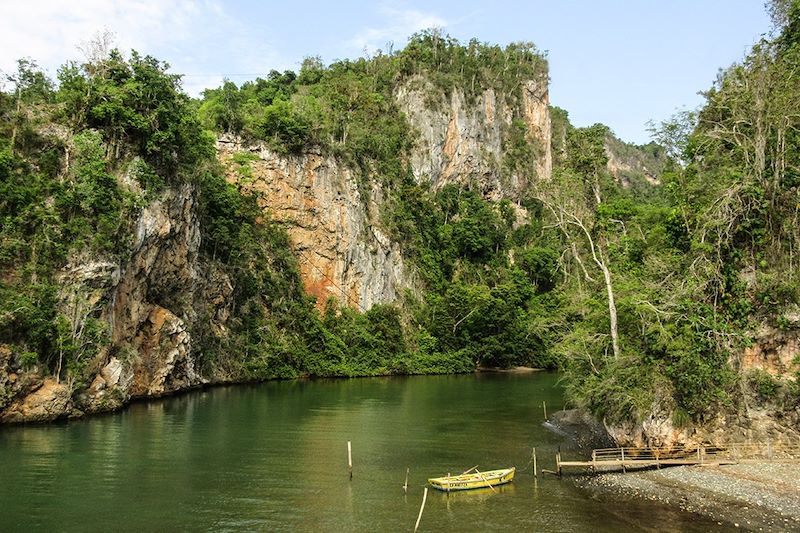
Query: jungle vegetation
{"x": 644, "y": 295}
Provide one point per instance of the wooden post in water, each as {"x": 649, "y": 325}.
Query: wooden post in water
{"x": 350, "y": 459}
{"x": 534, "y": 462}
{"x": 622, "y": 450}
{"x": 421, "y": 508}
{"x": 405, "y": 485}
{"x": 544, "y": 408}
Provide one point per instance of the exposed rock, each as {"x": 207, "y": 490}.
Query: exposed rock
{"x": 582, "y": 429}
{"x": 633, "y": 165}
{"x": 164, "y": 361}
{"x": 147, "y": 302}
{"x": 622, "y": 170}
{"x": 463, "y": 144}
{"x": 536, "y": 105}
{"x": 656, "y": 429}
{"x": 49, "y": 402}
{"x": 341, "y": 251}
{"x": 774, "y": 352}
{"x": 109, "y": 389}
{"x": 748, "y": 425}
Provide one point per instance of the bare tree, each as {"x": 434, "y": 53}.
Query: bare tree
{"x": 569, "y": 218}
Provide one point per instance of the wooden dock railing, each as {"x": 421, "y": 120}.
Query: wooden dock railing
{"x": 624, "y": 458}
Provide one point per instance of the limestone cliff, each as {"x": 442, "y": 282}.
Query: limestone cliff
{"x": 632, "y": 165}
{"x": 334, "y": 230}
{"x": 152, "y": 300}
{"x": 463, "y": 143}
{"x": 148, "y": 303}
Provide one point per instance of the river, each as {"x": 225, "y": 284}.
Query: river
{"x": 273, "y": 457}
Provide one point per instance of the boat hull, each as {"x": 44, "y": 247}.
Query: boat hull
{"x": 479, "y": 480}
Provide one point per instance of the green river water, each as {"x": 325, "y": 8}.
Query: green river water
{"x": 273, "y": 457}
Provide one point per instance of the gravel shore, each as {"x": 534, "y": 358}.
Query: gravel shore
{"x": 751, "y": 497}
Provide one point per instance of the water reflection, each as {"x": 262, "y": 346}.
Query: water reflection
{"x": 273, "y": 457}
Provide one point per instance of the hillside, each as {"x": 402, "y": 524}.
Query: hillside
{"x": 424, "y": 211}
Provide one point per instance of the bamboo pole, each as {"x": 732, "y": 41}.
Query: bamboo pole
{"x": 405, "y": 485}
{"x": 421, "y": 508}
{"x": 544, "y": 408}
{"x": 350, "y": 459}
{"x": 534, "y": 462}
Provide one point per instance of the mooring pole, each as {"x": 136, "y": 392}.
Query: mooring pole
{"x": 534, "y": 462}
{"x": 544, "y": 408}
{"x": 405, "y": 485}
{"x": 421, "y": 508}
{"x": 350, "y": 459}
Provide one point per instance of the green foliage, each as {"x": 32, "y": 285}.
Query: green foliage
{"x": 480, "y": 306}
{"x": 473, "y": 66}
{"x": 763, "y": 385}
{"x": 703, "y": 262}
{"x": 695, "y": 266}
{"x": 135, "y": 104}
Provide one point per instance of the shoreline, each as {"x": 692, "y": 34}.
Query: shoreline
{"x": 78, "y": 414}
{"x": 751, "y": 497}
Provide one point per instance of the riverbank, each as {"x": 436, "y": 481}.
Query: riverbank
{"x": 752, "y": 497}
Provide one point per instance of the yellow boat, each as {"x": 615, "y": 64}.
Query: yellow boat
{"x": 475, "y": 480}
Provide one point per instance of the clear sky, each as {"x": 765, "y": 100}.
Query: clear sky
{"x": 619, "y": 62}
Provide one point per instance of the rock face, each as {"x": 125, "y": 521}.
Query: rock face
{"x": 49, "y": 401}
{"x": 462, "y": 143}
{"x": 147, "y": 303}
{"x": 773, "y": 352}
{"x": 632, "y": 165}
{"x": 341, "y": 249}
{"x": 334, "y": 228}
{"x": 150, "y": 303}
{"x": 749, "y": 425}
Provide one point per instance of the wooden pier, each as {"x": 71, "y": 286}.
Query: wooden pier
{"x": 609, "y": 459}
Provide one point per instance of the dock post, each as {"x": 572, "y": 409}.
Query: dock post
{"x": 350, "y": 459}
{"x": 421, "y": 508}
{"x": 534, "y": 462}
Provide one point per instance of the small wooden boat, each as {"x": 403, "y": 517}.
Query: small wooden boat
{"x": 475, "y": 480}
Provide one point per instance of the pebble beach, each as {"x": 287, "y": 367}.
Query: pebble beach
{"x": 748, "y": 497}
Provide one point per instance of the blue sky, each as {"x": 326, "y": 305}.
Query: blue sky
{"x": 618, "y": 62}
